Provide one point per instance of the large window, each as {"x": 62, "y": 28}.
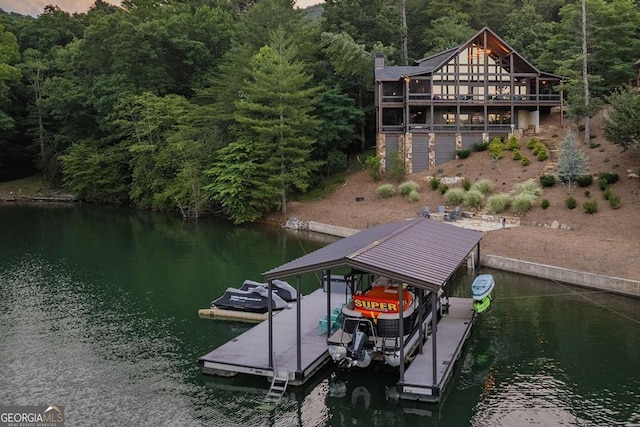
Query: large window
{"x": 393, "y": 89}
{"x": 392, "y": 117}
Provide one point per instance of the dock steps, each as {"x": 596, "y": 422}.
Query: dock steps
{"x": 278, "y": 388}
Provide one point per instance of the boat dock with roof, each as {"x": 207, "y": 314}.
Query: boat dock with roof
{"x": 291, "y": 346}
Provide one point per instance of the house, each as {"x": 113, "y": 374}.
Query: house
{"x": 457, "y": 98}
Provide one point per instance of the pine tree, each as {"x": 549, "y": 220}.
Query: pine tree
{"x": 275, "y": 138}
{"x": 572, "y": 162}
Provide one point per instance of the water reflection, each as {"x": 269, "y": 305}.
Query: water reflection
{"x": 99, "y": 313}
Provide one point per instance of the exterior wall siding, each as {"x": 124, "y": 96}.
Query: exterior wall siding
{"x": 445, "y": 148}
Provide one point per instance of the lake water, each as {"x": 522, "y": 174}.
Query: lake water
{"x": 98, "y": 313}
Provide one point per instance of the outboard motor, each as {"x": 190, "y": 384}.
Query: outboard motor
{"x": 361, "y": 357}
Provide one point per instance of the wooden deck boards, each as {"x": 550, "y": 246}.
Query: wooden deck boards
{"x": 249, "y": 352}
{"x": 453, "y": 330}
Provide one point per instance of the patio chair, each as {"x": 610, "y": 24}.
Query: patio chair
{"x": 426, "y": 212}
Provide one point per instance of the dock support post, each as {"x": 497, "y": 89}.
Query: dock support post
{"x": 269, "y": 303}
{"x": 401, "y": 330}
{"x": 328, "y": 287}
{"x": 434, "y": 330}
{"x": 298, "y": 328}
{"x": 478, "y": 259}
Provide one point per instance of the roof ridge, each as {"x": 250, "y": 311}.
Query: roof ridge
{"x": 410, "y": 223}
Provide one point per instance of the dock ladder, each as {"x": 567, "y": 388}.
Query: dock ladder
{"x": 279, "y": 383}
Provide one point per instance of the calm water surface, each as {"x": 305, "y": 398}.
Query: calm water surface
{"x": 98, "y": 313}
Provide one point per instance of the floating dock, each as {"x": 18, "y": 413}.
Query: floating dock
{"x": 248, "y": 353}
{"x": 453, "y": 331}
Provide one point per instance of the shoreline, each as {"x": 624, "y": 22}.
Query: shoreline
{"x": 615, "y": 285}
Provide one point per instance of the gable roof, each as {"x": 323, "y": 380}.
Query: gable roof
{"x": 484, "y": 38}
{"x": 420, "y": 252}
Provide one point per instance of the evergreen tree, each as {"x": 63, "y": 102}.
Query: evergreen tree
{"x": 572, "y": 162}
{"x": 622, "y": 124}
{"x": 271, "y": 156}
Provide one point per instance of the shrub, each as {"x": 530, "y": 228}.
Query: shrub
{"x": 396, "y": 170}
{"x": 499, "y": 203}
{"x": 547, "y": 180}
{"x": 473, "y": 198}
{"x": 584, "y": 180}
{"x": 413, "y": 196}
{"x": 513, "y": 144}
{"x": 587, "y": 194}
{"x": 407, "y": 187}
{"x": 603, "y": 184}
{"x": 525, "y": 161}
{"x": 594, "y": 145}
{"x": 517, "y": 155}
{"x": 610, "y": 177}
{"x": 528, "y": 187}
{"x": 590, "y": 206}
{"x": 543, "y": 154}
{"x": 607, "y": 194}
{"x": 484, "y": 186}
{"x": 466, "y": 184}
{"x": 435, "y": 183}
{"x": 373, "y": 165}
{"x": 443, "y": 188}
{"x": 455, "y": 196}
{"x": 571, "y": 202}
{"x": 463, "y": 154}
{"x": 545, "y": 204}
{"x": 480, "y": 146}
{"x": 386, "y": 190}
{"x": 614, "y": 201}
{"x": 523, "y": 202}
{"x": 496, "y": 148}
{"x": 532, "y": 143}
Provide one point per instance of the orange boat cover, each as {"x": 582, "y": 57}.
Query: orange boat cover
{"x": 381, "y": 299}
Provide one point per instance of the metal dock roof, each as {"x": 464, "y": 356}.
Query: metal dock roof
{"x": 420, "y": 252}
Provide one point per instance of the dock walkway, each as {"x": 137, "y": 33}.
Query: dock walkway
{"x": 249, "y": 352}
{"x": 453, "y": 330}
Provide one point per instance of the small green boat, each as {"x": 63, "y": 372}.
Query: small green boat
{"x": 482, "y": 305}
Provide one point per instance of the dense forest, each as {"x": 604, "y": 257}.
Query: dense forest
{"x": 235, "y": 106}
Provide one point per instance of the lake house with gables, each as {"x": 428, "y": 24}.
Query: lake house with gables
{"x": 452, "y": 100}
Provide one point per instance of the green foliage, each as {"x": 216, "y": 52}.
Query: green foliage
{"x": 603, "y": 183}
{"x": 513, "y": 144}
{"x": 610, "y": 177}
{"x": 543, "y": 155}
{"x": 523, "y": 202}
{"x": 473, "y": 198}
{"x": 571, "y": 160}
{"x": 396, "y": 167}
{"x": 547, "y": 180}
{"x": 480, "y": 146}
{"x": 528, "y": 187}
{"x": 373, "y": 165}
{"x": 570, "y": 202}
{"x": 622, "y": 123}
{"x": 517, "y": 155}
{"x": 525, "y": 161}
{"x": 531, "y": 144}
{"x": 614, "y": 201}
{"x": 590, "y": 206}
{"x": 463, "y": 154}
{"x": 607, "y": 193}
{"x": 434, "y": 182}
{"x": 498, "y": 203}
{"x": 455, "y": 196}
{"x": 484, "y": 186}
{"x": 496, "y": 148}
{"x": 407, "y": 187}
{"x": 443, "y": 188}
{"x": 413, "y": 196}
{"x": 545, "y": 204}
{"x": 466, "y": 184}
{"x": 584, "y": 180}
{"x": 386, "y": 191}
{"x": 96, "y": 175}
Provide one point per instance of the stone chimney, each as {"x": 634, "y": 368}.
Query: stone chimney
{"x": 379, "y": 61}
